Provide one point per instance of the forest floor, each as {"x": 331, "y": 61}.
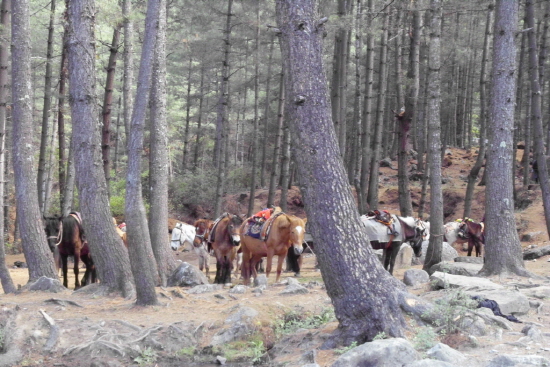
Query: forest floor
{"x": 82, "y": 317}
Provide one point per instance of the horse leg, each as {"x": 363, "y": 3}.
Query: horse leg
{"x": 245, "y": 267}
{"x": 75, "y": 269}
{"x": 64, "y": 270}
{"x": 280, "y": 260}
{"x": 470, "y": 246}
{"x": 393, "y": 255}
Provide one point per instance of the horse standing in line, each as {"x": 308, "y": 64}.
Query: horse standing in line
{"x": 200, "y": 243}
{"x": 280, "y": 233}
{"x": 390, "y": 233}
{"x": 182, "y": 234}
{"x": 66, "y": 238}
{"x": 466, "y": 231}
{"x": 224, "y": 239}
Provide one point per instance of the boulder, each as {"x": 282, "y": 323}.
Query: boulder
{"x": 442, "y": 280}
{"x": 509, "y": 360}
{"x": 460, "y": 268}
{"x": 45, "y": 284}
{"x": 414, "y": 277}
{"x": 186, "y": 275}
{"x": 509, "y": 302}
{"x": 531, "y": 236}
{"x": 260, "y": 280}
{"x": 205, "y": 288}
{"x": 448, "y": 253}
{"x": 380, "y": 353}
{"x": 430, "y": 363}
{"x": 468, "y": 259}
{"x": 535, "y": 253}
{"x": 443, "y": 352}
{"x": 294, "y": 289}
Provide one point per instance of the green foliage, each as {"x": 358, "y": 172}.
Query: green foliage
{"x": 345, "y": 349}
{"x": 251, "y": 349}
{"x": 425, "y": 338}
{"x": 147, "y": 357}
{"x": 187, "y": 351}
{"x": 292, "y": 321}
{"x": 381, "y": 335}
{"x": 117, "y": 205}
{"x": 451, "y": 309}
{"x": 193, "y": 189}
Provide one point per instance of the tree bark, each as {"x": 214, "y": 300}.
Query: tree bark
{"x": 128, "y": 54}
{"x": 33, "y": 238}
{"x": 110, "y": 255}
{"x": 265, "y": 137}
{"x": 62, "y": 155}
{"x": 277, "y": 144}
{"x": 365, "y": 296}
{"x": 142, "y": 258}
{"x": 187, "y": 115}
{"x": 503, "y": 249}
{"x": 199, "y": 123}
{"x": 434, "y": 251}
{"x": 5, "y": 277}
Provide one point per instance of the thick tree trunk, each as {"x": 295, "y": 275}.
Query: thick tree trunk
{"x": 503, "y": 249}
{"x": 62, "y": 154}
{"x": 158, "y": 213}
{"x": 365, "y": 296}
{"x": 142, "y": 258}
{"x": 265, "y": 137}
{"x": 128, "y": 55}
{"x": 277, "y": 144}
{"x": 199, "y": 123}
{"x": 107, "y": 107}
{"x": 33, "y": 238}
{"x": 110, "y": 255}
{"x": 187, "y": 116}
{"x": 434, "y": 251}
{"x": 5, "y": 277}
{"x": 474, "y": 172}
{"x": 285, "y": 165}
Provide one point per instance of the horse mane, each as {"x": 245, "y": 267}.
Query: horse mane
{"x": 410, "y": 221}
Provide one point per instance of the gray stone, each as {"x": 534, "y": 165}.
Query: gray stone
{"x": 379, "y": 353}
{"x": 234, "y": 332}
{"x": 404, "y": 257}
{"x": 294, "y": 289}
{"x": 531, "y": 236}
{"x": 468, "y": 259}
{"x": 260, "y": 280}
{"x": 460, "y": 268}
{"x": 442, "y": 280}
{"x": 311, "y": 365}
{"x": 414, "y": 277}
{"x": 509, "y": 360}
{"x": 386, "y": 162}
{"x": 542, "y": 292}
{"x": 291, "y": 281}
{"x": 186, "y": 275}
{"x": 448, "y": 253}
{"x": 221, "y": 360}
{"x": 242, "y": 314}
{"x": 443, "y": 352}
{"x": 474, "y": 325}
{"x": 205, "y": 288}
{"x": 509, "y": 302}
{"x": 431, "y": 363}
{"x": 238, "y": 289}
{"x": 45, "y": 284}
{"x": 535, "y": 253}
{"x": 533, "y": 332}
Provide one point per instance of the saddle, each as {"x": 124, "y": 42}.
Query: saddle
{"x": 385, "y": 218}
{"x": 259, "y": 227}
{"x": 211, "y": 238}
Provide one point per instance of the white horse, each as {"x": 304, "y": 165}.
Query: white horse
{"x": 454, "y": 234}
{"x": 182, "y": 234}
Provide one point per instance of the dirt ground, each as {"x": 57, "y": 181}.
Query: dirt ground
{"x": 212, "y": 309}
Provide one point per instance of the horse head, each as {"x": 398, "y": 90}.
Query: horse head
{"x": 202, "y": 230}
{"x": 52, "y": 227}
{"x": 234, "y": 229}
{"x": 297, "y": 233}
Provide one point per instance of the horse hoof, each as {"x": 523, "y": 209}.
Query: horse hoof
{"x": 297, "y": 275}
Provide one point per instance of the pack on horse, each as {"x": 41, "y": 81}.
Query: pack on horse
{"x": 66, "y": 238}
{"x": 278, "y": 234}
{"x": 182, "y": 234}
{"x": 466, "y": 231}
{"x": 120, "y": 232}
{"x": 388, "y": 231}
{"x": 200, "y": 242}
{"x": 224, "y": 238}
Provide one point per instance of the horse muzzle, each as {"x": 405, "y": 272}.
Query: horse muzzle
{"x": 298, "y": 250}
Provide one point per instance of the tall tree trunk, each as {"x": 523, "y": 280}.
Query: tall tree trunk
{"x": 158, "y": 213}
{"x": 255, "y": 132}
{"x": 40, "y": 178}
{"x": 277, "y": 144}
{"x": 199, "y": 123}
{"x": 49, "y": 172}
{"x": 355, "y": 128}
{"x": 503, "y": 249}
{"x": 107, "y": 107}
{"x": 285, "y": 165}
{"x": 364, "y": 305}
{"x": 187, "y": 116}
{"x": 33, "y": 238}
{"x": 110, "y": 255}
{"x": 366, "y": 118}
{"x": 265, "y": 137}
{"x": 434, "y": 251}
{"x": 536, "y": 115}
{"x": 372, "y": 197}
{"x": 474, "y": 172}
{"x": 142, "y": 259}
{"x": 5, "y": 277}
{"x": 221, "y": 121}
{"x": 128, "y": 55}
{"x": 62, "y": 154}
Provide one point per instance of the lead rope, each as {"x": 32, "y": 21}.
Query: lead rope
{"x": 60, "y": 234}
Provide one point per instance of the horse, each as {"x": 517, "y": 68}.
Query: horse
{"x": 200, "y": 242}
{"x": 66, "y": 238}
{"x": 224, "y": 239}
{"x": 465, "y": 231}
{"x": 121, "y": 233}
{"x": 182, "y": 234}
{"x": 392, "y": 233}
{"x": 278, "y": 234}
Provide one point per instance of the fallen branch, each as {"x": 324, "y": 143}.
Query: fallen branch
{"x": 54, "y": 332}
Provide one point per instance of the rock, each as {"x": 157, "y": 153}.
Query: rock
{"x": 186, "y": 275}
{"x": 448, "y": 253}
{"x": 537, "y": 292}
{"x": 236, "y": 331}
{"x": 474, "y": 325}
{"x": 260, "y": 280}
{"x": 294, "y": 289}
{"x": 386, "y": 162}
{"x": 533, "y": 332}
{"x": 45, "y": 284}
{"x": 205, "y": 288}
{"x": 291, "y": 281}
{"x": 442, "y": 280}
{"x": 379, "y": 353}
{"x": 242, "y": 314}
{"x": 404, "y": 257}
{"x": 414, "y": 277}
{"x": 443, "y": 352}
{"x": 536, "y": 253}
{"x": 509, "y": 360}
{"x": 509, "y": 302}
{"x": 468, "y": 259}
{"x": 460, "y": 268}
{"x": 238, "y": 289}
{"x": 531, "y": 236}
{"x": 430, "y": 363}
{"x": 221, "y": 360}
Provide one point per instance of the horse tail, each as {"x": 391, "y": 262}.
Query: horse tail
{"x": 292, "y": 261}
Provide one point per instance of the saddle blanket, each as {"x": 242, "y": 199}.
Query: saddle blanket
{"x": 380, "y": 232}
{"x": 253, "y": 228}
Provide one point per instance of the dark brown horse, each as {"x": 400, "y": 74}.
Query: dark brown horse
{"x": 224, "y": 239}
{"x": 285, "y": 231}
{"x": 466, "y": 230}
{"x": 66, "y": 238}
{"x": 200, "y": 242}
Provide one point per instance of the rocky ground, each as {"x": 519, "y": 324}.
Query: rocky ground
{"x": 208, "y": 325}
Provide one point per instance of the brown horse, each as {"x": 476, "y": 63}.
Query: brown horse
{"x": 225, "y": 238}
{"x": 66, "y": 238}
{"x": 285, "y": 231}
{"x": 200, "y": 242}
{"x": 466, "y": 230}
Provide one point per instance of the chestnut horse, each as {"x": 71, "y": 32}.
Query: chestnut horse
{"x": 285, "y": 231}
{"x": 66, "y": 238}
{"x": 200, "y": 242}
{"x": 466, "y": 230}
{"x": 225, "y": 241}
